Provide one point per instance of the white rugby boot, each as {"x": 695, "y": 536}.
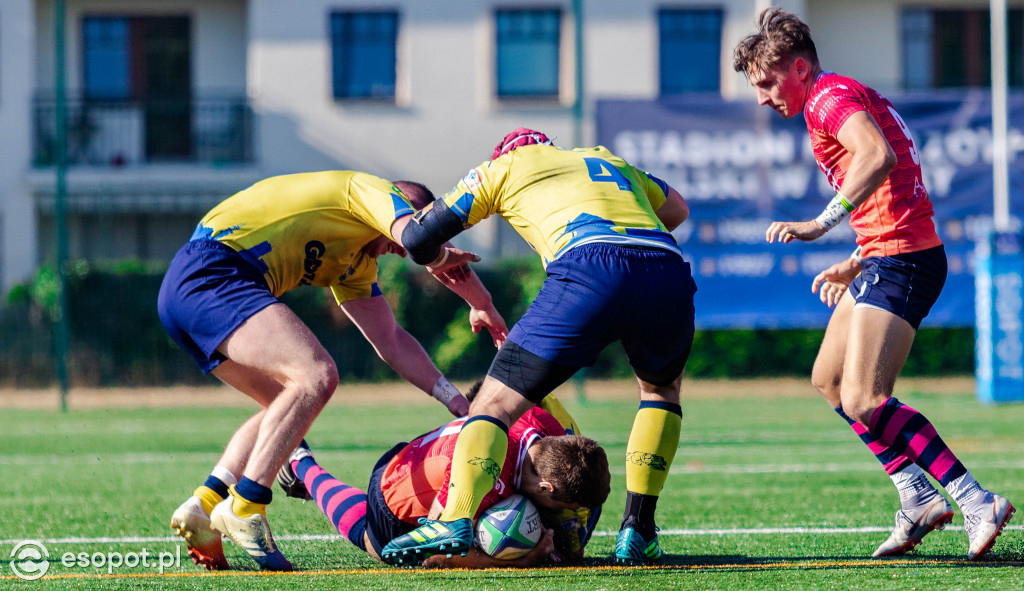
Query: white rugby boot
{"x": 913, "y": 523}
{"x": 191, "y": 522}
{"x": 251, "y": 533}
{"x": 985, "y": 523}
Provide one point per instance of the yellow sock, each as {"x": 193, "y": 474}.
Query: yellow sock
{"x": 476, "y": 466}
{"x": 554, "y": 406}
{"x": 209, "y": 497}
{"x": 652, "y": 446}
{"x": 243, "y": 507}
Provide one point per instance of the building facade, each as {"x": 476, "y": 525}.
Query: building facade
{"x": 173, "y": 105}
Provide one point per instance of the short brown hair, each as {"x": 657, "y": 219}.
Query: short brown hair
{"x": 780, "y": 36}
{"x": 417, "y": 193}
{"x": 576, "y": 466}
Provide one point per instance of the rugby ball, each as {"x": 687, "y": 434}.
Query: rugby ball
{"x": 509, "y": 528}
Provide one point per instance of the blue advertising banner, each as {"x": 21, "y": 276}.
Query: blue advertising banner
{"x": 741, "y": 166}
{"x": 999, "y": 348}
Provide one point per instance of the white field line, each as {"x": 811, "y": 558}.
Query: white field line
{"x": 754, "y": 531}
{"x": 680, "y": 468}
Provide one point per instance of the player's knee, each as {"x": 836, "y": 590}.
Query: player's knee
{"x": 667, "y": 393}
{"x": 859, "y": 408}
{"x": 499, "y": 402}
{"x": 827, "y": 384}
{"x": 319, "y": 382}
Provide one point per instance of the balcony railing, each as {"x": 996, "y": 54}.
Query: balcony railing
{"x": 114, "y": 133}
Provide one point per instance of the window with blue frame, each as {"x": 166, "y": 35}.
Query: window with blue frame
{"x": 107, "y": 57}
{"x": 950, "y": 48}
{"x": 689, "y": 50}
{"x": 136, "y": 57}
{"x": 527, "y": 52}
{"x": 364, "y": 54}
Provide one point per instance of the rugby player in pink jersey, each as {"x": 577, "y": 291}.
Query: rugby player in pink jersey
{"x": 883, "y": 291}
{"x": 564, "y": 474}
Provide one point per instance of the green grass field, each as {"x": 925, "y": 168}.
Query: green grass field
{"x": 765, "y": 492}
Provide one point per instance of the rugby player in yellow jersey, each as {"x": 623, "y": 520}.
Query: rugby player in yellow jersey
{"x": 219, "y": 302}
{"x": 614, "y": 273}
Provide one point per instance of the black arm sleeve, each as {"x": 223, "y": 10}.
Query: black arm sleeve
{"x": 429, "y": 229}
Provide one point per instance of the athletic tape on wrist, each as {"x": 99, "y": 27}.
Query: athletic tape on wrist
{"x": 836, "y": 211}
{"x": 444, "y": 258}
{"x": 444, "y": 391}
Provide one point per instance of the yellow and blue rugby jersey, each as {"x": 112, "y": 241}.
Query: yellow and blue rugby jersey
{"x": 557, "y": 199}
{"x": 309, "y": 229}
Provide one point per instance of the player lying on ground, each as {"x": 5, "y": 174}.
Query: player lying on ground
{"x": 882, "y": 293}
{"x": 218, "y": 301}
{"x": 558, "y": 472}
{"x": 614, "y": 273}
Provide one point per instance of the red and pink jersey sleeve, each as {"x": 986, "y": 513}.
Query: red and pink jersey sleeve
{"x": 533, "y": 425}
{"x": 897, "y": 217}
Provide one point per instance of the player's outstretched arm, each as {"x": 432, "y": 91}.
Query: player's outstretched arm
{"x": 482, "y": 314}
{"x": 401, "y": 350}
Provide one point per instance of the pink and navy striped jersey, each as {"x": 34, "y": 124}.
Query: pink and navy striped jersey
{"x": 421, "y": 470}
{"x": 897, "y": 217}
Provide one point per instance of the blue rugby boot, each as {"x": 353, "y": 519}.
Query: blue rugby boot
{"x": 432, "y": 537}
{"x": 632, "y": 549}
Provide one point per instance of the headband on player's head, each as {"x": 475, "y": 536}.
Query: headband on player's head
{"x": 518, "y": 138}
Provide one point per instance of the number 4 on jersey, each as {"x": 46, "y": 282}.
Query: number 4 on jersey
{"x": 601, "y": 171}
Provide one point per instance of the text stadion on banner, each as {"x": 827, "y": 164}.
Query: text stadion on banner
{"x": 740, "y": 167}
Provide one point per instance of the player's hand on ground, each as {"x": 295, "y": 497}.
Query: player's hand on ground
{"x": 785, "y": 232}
{"x": 832, "y": 283}
{"x": 458, "y": 406}
{"x": 490, "y": 319}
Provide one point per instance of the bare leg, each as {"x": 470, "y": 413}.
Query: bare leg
{"x": 878, "y": 345}
{"x": 261, "y": 389}
{"x": 275, "y": 344}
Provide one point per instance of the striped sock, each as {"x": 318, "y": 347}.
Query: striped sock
{"x": 344, "y": 505}
{"x": 891, "y": 461}
{"x": 906, "y": 431}
{"x": 476, "y": 465}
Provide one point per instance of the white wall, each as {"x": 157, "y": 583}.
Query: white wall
{"x": 17, "y": 218}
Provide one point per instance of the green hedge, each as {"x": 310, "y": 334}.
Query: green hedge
{"x": 116, "y": 338}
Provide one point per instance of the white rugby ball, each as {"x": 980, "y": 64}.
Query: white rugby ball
{"x": 509, "y": 528}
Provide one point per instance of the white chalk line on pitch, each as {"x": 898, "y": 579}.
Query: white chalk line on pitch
{"x": 743, "y": 531}
{"x": 684, "y": 467}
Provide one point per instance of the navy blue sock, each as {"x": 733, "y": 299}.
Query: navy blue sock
{"x": 253, "y": 491}
{"x": 216, "y": 485}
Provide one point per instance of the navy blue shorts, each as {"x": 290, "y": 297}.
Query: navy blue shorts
{"x": 381, "y": 524}
{"x": 905, "y": 284}
{"x": 209, "y": 291}
{"x": 597, "y": 294}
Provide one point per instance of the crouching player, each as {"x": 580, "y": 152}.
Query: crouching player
{"x": 561, "y": 474}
